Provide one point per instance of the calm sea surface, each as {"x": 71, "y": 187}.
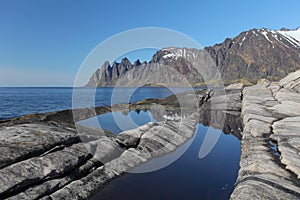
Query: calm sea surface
{"x": 20, "y": 101}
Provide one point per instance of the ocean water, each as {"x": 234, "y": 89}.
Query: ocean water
{"x": 15, "y": 102}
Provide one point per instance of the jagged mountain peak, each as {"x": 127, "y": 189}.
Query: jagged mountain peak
{"x": 108, "y": 73}
{"x": 253, "y": 54}
{"x": 115, "y": 64}
{"x": 105, "y": 64}
{"x": 137, "y": 63}
{"x": 125, "y": 61}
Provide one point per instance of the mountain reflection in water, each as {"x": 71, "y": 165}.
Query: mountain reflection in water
{"x": 189, "y": 177}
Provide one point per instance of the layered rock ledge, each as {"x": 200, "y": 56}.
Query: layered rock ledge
{"x": 42, "y": 161}
{"x": 270, "y": 161}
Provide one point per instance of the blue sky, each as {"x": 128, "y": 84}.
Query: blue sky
{"x": 44, "y": 42}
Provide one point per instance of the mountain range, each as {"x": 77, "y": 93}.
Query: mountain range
{"x": 252, "y": 55}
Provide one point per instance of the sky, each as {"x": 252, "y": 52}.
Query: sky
{"x": 44, "y": 42}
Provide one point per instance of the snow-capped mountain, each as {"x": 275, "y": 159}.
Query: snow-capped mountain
{"x": 257, "y": 53}
{"x": 253, "y": 54}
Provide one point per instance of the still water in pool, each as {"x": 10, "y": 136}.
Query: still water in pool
{"x": 189, "y": 177}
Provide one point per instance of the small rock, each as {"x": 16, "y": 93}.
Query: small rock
{"x": 264, "y": 82}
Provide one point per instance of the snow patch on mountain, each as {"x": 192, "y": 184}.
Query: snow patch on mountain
{"x": 293, "y": 36}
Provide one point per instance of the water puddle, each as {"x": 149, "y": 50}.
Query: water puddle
{"x": 189, "y": 177}
{"x": 119, "y": 121}
{"x": 274, "y": 147}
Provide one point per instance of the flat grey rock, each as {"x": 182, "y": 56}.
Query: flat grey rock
{"x": 292, "y": 81}
{"x": 286, "y": 94}
{"x": 285, "y": 109}
{"x": 27, "y": 140}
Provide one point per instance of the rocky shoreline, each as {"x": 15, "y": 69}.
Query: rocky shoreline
{"x": 47, "y": 156}
{"x": 271, "y": 114}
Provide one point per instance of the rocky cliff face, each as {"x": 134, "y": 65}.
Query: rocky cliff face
{"x": 252, "y": 55}
{"x": 256, "y": 54}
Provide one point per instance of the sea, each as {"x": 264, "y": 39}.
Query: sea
{"x": 19, "y": 101}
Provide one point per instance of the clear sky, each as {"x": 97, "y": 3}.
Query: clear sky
{"x": 44, "y": 42}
